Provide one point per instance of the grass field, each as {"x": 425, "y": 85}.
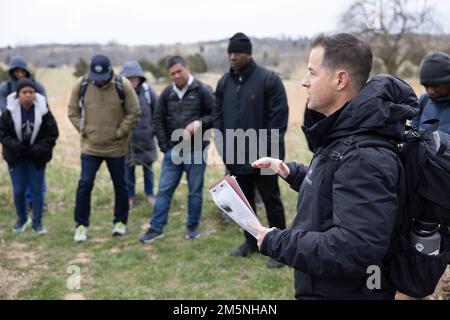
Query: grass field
{"x": 40, "y": 267}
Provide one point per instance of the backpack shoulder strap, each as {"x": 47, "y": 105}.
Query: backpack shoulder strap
{"x": 119, "y": 88}
{"x": 83, "y": 88}
{"x": 147, "y": 94}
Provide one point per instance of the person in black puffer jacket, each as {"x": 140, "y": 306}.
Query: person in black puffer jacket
{"x": 28, "y": 133}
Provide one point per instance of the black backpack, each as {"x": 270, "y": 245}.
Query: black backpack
{"x": 425, "y": 156}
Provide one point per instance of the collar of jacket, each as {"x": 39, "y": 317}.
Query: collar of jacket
{"x": 40, "y": 110}
{"x": 442, "y": 100}
{"x": 245, "y": 74}
{"x": 316, "y": 131}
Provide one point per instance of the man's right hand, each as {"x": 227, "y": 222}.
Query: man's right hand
{"x": 276, "y": 165}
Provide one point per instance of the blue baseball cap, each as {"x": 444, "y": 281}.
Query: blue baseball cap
{"x": 101, "y": 69}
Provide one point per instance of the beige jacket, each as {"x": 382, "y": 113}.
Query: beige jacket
{"x": 107, "y": 124}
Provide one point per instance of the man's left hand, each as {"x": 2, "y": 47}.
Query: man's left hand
{"x": 261, "y": 232}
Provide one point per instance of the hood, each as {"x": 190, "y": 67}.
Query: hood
{"x": 381, "y": 107}
{"x": 18, "y": 62}
{"x": 133, "y": 69}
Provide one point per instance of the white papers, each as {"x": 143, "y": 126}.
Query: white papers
{"x": 228, "y": 196}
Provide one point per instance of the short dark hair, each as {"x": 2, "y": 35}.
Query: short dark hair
{"x": 173, "y": 60}
{"x": 345, "y": 50}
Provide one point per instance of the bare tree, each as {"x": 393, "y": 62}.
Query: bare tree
{"x": 392, "y": 27}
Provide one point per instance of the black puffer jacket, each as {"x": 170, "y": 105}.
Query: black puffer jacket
{"x": 335, "y": 238}
{"x": 41, "y": 148}
{"x": 173, "y": 113}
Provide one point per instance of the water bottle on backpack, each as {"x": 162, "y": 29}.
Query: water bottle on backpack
{"x": 425, "y": 237}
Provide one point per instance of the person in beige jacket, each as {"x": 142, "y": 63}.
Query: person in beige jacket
{"x": 104, "y": 108}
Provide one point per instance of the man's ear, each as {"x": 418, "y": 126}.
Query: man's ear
{"x": 342, "y": 79}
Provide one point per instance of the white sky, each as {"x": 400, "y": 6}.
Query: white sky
{"x": 135, "y": 22}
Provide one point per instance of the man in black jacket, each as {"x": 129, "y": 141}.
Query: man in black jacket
{"x": 345, "y": 217}
{"x": 182, "y": 115}
{"x": 252, "y": 102}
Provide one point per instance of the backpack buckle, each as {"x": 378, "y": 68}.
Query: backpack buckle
{"x": 336, "y": 156}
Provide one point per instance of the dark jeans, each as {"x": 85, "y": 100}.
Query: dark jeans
{"x": 89, "y": 168}
{"x": 130, "y": 178}
{"x": 29, "y": 195}
{"x": 168, "y": 182}
{"x": 270, "y": 193}
{"x": 25, "y": 173}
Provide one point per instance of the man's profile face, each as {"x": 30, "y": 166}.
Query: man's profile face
{"x": 438, "y": 91}
{"x": 318, "y": 83}
{"x": 135, "y": 81}
{"x": 179, "y": 74}
{"x": 239, "y": 60}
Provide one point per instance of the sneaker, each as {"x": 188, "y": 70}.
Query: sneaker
{"x": 244, "y": 250}
{"x": 151, "y": 235}
{"x": 274, "y": 264}
{"x": 22, "y": 226}
{"x": 81, "y": 234}
{"x": 192, "y": 233}
{"x": 151, "y": 200}
{"x": 120, "y": 229}
{"x": 39, "y": 229}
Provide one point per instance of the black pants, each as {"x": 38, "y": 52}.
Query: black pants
{"x": 270, "y": 193}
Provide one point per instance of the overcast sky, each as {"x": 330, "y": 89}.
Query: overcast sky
{"x": 135, "y": 22}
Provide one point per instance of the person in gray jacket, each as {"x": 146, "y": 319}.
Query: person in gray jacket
{"x": 142, "y": 150}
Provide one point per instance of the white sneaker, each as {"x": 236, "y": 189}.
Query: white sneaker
{"x": 81, "y": 233}
{"x": 120, "y": 229}
{"x": 19, "y": 228}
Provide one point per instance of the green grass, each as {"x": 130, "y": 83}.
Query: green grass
{"x": 111, "y": 268}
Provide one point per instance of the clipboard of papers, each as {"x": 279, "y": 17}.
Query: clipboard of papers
{"x": 228, "y": 196}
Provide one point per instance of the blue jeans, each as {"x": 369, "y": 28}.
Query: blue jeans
{"x": 29, "y": 195}
{"x": 130, "y": 179}
{"x": 89, "y": 168}
{"x": 25, "y": 173}
{"x": 168, "y": 182}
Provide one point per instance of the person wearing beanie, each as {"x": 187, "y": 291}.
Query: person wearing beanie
{"x": 18, "y": 69}
{"x": 142, "y": 150}
{"x": 28, "y": 133}
{"x": 434, "y": 74}
{"x": 104, "y": 120}
{"x": 252, "y": 98}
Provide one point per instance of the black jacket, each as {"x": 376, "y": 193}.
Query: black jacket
{"x": 336, "y": 237}
{"x": 173, "y": 113}
{"x": 40, "y": 151}
{"x": 254, "y": 100}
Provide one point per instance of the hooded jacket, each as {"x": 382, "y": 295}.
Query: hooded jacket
{"x": 335, "y": 238}
{"x": 9, "y": 86}
{"x": 143, "y": 148}
{"x": 43, "y": 138}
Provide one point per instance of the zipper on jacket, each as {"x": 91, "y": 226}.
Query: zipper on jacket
{"x": 239, "y": 85}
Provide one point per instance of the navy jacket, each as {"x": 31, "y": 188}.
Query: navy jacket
{"x": 9, "y": 86}
{"x": 434, "y": 109}
{"x": 335, "y": 238}
{"x": 254, "y": 100}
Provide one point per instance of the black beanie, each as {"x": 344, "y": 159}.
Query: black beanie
{"x": 24, "y": 82}
{"x": 240, "y": 43}
{"x": 435, "y": 69}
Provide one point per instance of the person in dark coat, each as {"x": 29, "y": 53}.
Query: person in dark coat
{"x": 18, "y": 69}
{"x": 142, "y": 150}
{"x": 181, "y": 118}
{"x": 28, "y": 133}
{"x": 345, "y": 220}
{"x": 253, "y": 99}
{"x": 435, "y": 103}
